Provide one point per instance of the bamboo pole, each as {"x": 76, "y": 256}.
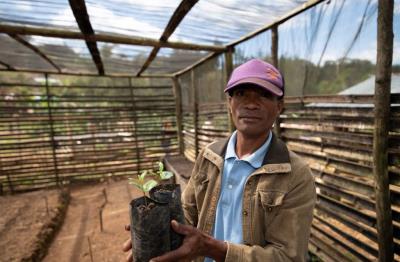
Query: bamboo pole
{"x": 228, "y": 72}
{"x": 79, "y": 10}
{"x": 90, "y": 249}
{"x": 35, "y": 50}
{"x": 381, "y": 130}
{"x": 274, "y": 46}
{"x": 135, "y": 126}
{"x": 176, "y": 18}
{"x": 53, "y": 143}
{"x": 196, "y": 64}
{"x": 8, "y": 67}
{"x": 101, "y": 37}
{"x": 116, "y": 75}
{"x": 195, "y": 112}
{"x": 178, "y": 102}
{"x": 275, "y": 62}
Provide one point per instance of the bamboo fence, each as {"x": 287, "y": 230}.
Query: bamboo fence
{"x": 52, "y": 138}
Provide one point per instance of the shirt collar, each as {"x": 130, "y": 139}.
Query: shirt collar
{"x": 256, "y": 158}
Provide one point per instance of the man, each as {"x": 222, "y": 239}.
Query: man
{"x": 249, "y": 198}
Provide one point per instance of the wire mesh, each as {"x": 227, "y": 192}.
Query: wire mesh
{"x": 72, "y": 56}
{"x": 123, "y": 59}
{"x": 134, "y": 17}
{"x": 328, "y": 48}
{"x": 170, "y": 60}
{"x": 47, "y": 13}
{"x": 17, "y": 56}
{"x": 256, "y": 47}
{"x": 229, "y": 19}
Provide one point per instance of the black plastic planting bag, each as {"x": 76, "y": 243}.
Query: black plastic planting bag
{"x": 150, "y": 228}
{"x": 171, "y": 194}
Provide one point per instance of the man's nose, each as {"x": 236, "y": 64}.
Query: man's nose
{"x": 251, "y": 100}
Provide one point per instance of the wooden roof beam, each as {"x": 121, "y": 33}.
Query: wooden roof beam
{"x": 116, "y": 75}
{"x": 35, "y": 49}
{"x": 199, "y": 62}
{"x": 9, "y": 67}
{"x": 82, "y": 18}
{"x": 183, "y": 8}
{"x": 99, "y": 37}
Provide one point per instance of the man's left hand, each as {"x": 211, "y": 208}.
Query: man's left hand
{"x": 195, "y": 244}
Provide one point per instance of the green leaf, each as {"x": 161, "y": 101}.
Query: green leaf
{"x": 149, "y": 185}
{"x": 143, "y": 175}
{"x": 134, "y": 181}
{"x": 139, "y": 186}
{"x": 160, "y": 166}
{"x": 166, "y": 175}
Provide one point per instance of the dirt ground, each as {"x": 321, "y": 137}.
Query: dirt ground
{"x": 22, "y": 216}
{"x": 80, "y": 238}
{"x": 21, "y": 219}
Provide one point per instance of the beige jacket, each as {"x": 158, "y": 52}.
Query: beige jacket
{"x": 278, "y": 203}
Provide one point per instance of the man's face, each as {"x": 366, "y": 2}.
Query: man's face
{"x": 254, "y": 110}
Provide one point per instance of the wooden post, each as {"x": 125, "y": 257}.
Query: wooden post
{"x": 10, "y": 185}
{"x": 178, "y": 110}
{"x": 275, "y": 62}
{"x": 90, "y": 249}
{"x": 101, "y": 218}
{"x": 9, "y": 182}
{"x": 53, "y": 143}
{"x": 228, "y": 72}
{"x": 134, "y": 116}
{"x": 381, "y": 130}
{"x": 195, "y": 112}
{"x": 274, "y": 46}
{"x": 46, "y": 204}
{"x": 105, "y": 196}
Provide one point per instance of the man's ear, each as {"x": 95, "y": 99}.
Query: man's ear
{"x": 229, "y": 104}
{"x": 280, "y": 105}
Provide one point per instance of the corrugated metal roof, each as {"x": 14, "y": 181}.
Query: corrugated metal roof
{"x": 367, "y": 87}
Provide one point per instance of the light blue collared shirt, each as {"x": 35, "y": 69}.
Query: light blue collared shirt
{"x": 228, "y": 219}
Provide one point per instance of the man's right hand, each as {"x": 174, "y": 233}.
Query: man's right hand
{"x": 127, "y": 247}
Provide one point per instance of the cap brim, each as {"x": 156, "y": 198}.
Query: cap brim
{"x": 257, "y": 81}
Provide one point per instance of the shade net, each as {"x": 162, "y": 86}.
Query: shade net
{"x": 208, "y": 22}
{"x": 20, "y": 57}
{"x": 329, "y": 48}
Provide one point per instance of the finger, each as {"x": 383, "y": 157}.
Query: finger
{"x": 181, "y": 228}
{"x": 175, "y": 255}
{"x": 128, "y": 227}
{"x": 129, "y": 257}
{"x": 127, "y": 245}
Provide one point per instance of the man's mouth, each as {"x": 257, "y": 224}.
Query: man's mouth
{"x": 249, "y": 119}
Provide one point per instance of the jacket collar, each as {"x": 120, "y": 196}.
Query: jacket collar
{"x": 276, "y": 160}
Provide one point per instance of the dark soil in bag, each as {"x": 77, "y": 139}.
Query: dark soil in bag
{"x": 150, "y": 228}
{"x": 171, "y": 194}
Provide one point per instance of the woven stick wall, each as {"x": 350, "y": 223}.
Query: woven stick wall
{"x": 56, "y": 134}
{"x": 335, "y": 135}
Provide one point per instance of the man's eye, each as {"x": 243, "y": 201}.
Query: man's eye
{"x": 266, "y": 94}
{"x": 239, "y": 93}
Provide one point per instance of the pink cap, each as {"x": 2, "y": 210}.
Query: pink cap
{"x": 258, "y": 72}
